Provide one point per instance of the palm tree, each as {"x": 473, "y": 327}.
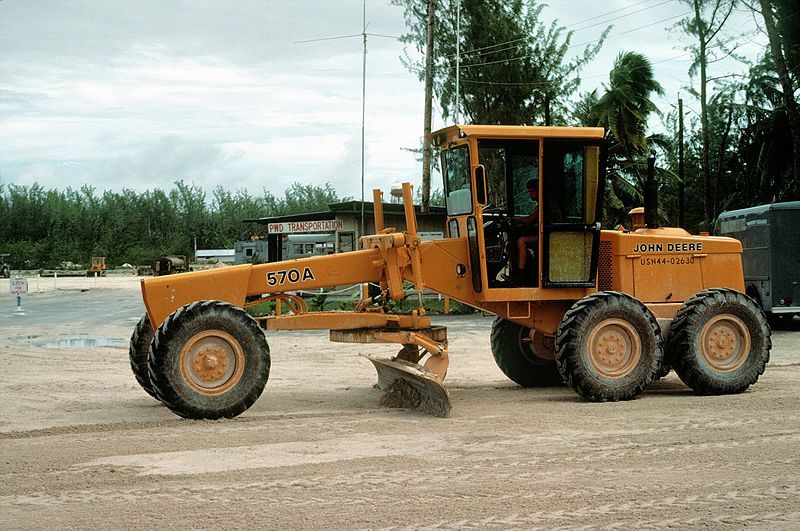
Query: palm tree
{"x": 623, "y": 110}
{"x": 625, "y": 106}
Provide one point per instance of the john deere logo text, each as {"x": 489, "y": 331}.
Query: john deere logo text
{"x": 670, "y": 247}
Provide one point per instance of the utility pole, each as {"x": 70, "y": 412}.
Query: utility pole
{"x": 458, "y": 57}
{"x": 363, "y": 110}
{"x": 426, "y": 150}
{"x": 681, "y": 188}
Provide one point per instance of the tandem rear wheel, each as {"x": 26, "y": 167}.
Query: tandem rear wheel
{"x": 209, "y": 360}
{"x": 719, "y": 342}
{"x": 609, "y": 347}
{"x": 522, "y": 356}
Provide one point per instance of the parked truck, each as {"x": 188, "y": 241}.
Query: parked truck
{"x": 170, "y": 264}
{"x": 770, "y": 236}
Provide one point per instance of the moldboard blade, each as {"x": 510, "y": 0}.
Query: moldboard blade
{"x": 408, "y": 385}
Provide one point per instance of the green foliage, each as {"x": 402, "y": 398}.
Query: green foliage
{"x": 626, "y": 105}
{"x": 513, "y": 67}
{"x": 42, "y": 228}
{"x": 623, "y": 110}
{"x": 262, "y": 309}
{"x": 317, "y": 302}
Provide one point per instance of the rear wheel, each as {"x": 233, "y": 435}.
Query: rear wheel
{"x": 720, "y": 342}
{"x": 609, "y": 347}
{"x": 521, "y": 357}
{"x": 138, "y": 352}
{"x": 209, "y": 360}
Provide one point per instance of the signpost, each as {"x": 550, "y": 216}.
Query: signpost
{"x": 18, "y": 286}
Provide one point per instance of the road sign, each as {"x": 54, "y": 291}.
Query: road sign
{"x": 18, "y": 286}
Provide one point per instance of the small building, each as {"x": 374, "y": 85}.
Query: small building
{"x": 338, "y": 229}
{"x": 211, "y": 256}
{"x": 250, "y": 252}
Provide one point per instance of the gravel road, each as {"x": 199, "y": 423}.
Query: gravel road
{"x": 82, "y": 446}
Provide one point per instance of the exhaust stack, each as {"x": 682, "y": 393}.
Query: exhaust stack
{"x": 651, "y": 194}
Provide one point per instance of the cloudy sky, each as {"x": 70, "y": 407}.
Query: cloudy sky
{"x": 139, "y": 93}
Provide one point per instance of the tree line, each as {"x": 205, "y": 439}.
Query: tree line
{"x": 43, "y": 228}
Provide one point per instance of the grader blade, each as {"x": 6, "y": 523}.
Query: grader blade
{"x": 409, "y": 385}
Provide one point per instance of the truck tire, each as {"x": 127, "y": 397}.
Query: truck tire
{"x": 139, "y": 351}
{"x": 209, "y": 360}
{"x": 609, "y": 347}
{"x": 664, "y": 370}
{"x": 517, "y": 358}
{"x": 720, "y": 342}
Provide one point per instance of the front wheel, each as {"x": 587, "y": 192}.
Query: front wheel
{"x": 139, "y": 351}
{"x": 208, "y": 360}
{"x": 609, "y": 347}
{"x": 719, "y": 342}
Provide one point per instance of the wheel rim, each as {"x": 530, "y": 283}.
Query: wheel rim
{"x": 212, "y": 362}
{"x": 725, "y": 342}
{"x": 614, "y": 347}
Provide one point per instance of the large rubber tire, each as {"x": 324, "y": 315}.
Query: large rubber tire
{"x": 139, "y": 352}
{"x": 609, "y": 347}
{"x": 209, "y": 360}
{"x": 720, "y": 342}
{"x": 514, "y": 354}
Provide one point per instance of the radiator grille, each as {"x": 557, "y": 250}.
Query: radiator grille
{"x": 605, "y": 282}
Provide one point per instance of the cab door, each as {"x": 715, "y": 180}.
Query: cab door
{"x": 571, "y": 198}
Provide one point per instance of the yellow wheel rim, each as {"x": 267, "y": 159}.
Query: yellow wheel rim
{"x": 725, "y": 342}
{"x": 212, "y": 362}
{"x": 614, "y": 347}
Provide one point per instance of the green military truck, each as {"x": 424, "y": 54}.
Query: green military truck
{"x": 770, "y": 236}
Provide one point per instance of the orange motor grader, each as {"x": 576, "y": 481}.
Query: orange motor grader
{"x": 606, "y": 311}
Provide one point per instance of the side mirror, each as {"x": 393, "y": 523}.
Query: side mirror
{"x": 480, "y": 185}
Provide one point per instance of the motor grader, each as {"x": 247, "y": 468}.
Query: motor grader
{"x": 606, "y": 311}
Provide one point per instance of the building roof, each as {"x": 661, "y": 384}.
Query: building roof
{"x": 790, "y": 205}
{"x": 349, "y": 207}
{"x": 215, "y": 252}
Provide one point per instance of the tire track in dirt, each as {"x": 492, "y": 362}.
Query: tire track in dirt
{"x": 575, "y": 518}
{"x": 375, "y": 484}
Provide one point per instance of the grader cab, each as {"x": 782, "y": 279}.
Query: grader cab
{"x": 607, "y": 312}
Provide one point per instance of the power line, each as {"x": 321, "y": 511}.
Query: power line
{"x": 526, "y": 56}
{"x": 623, "y": 16}
{"x": 610, "y": 13}
{"x": 329, "y": 38}
{"x": 635, "y": 29}
{"x": 545, "y": 83}
{"x": 489, "y": 47}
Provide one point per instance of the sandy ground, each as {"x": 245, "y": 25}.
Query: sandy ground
{"x": 81, "y": 445}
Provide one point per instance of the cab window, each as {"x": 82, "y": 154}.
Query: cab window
{"x": 457, "y": 180}
{"x": 510, "y": 165}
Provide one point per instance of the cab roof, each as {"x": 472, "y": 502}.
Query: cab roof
{"x": 449, "y": 134}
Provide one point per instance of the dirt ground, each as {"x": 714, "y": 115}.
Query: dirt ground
{"x": 82, "y": 446}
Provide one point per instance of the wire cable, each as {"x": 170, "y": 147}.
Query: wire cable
{"x": 470, "y": 52}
